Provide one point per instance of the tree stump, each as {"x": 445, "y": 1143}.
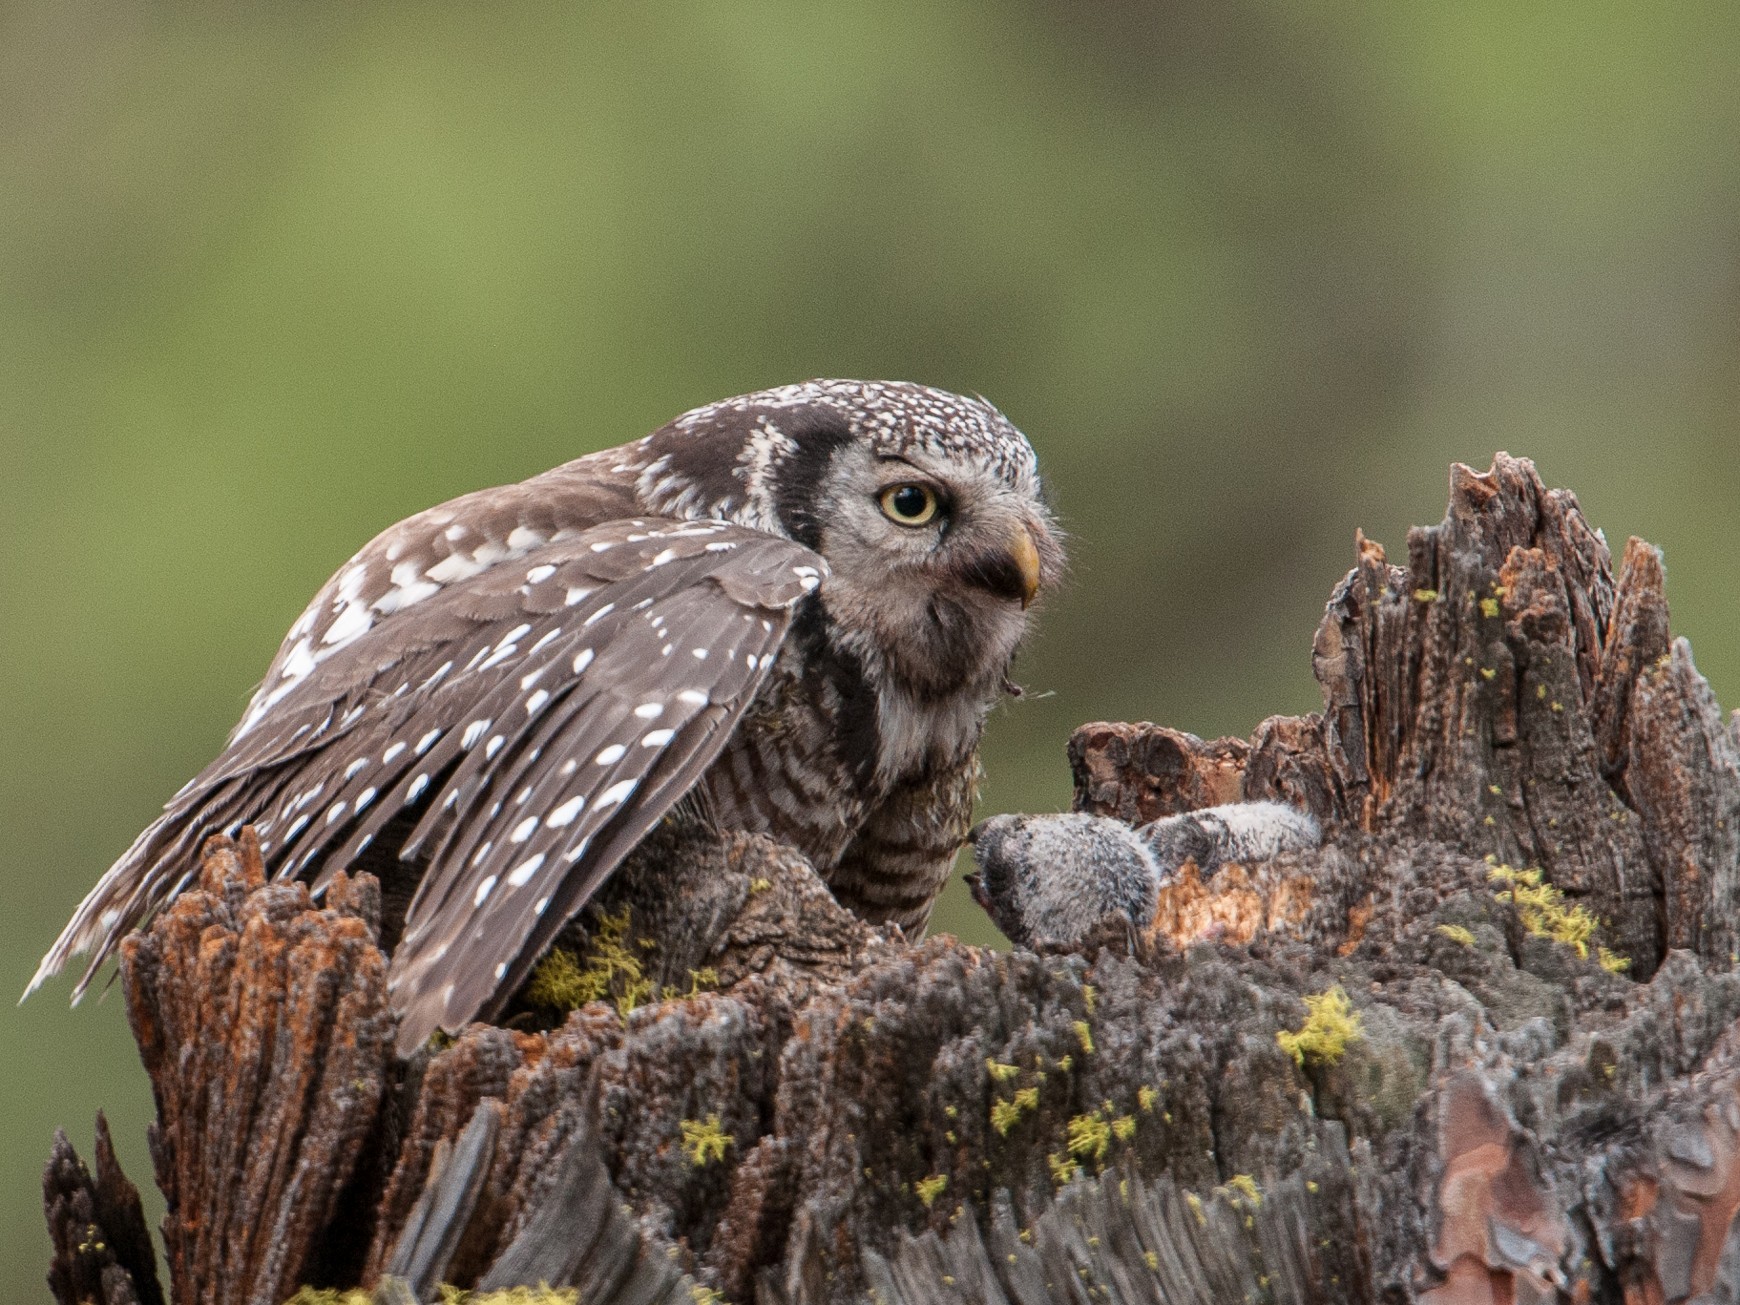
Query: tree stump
{"x": 1478, "y": 1047}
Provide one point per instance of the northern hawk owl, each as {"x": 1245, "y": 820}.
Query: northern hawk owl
{"x": 791, "y": 611}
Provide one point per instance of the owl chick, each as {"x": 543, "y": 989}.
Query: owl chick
{"x": 1049, "y": 879}
{"x": 789, "y": 612}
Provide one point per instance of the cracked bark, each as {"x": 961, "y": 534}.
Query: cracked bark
{"x": 928, "y": 1122}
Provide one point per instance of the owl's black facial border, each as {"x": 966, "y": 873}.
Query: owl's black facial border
{"x": 818, "y": 436}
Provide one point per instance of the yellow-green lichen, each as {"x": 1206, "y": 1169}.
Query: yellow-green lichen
{"x": 1146, "y": 1097}
{"x": 1084, "y": 1035}
{"x": 929, "y": 1189}
{"x": 1063, "y": 1167}
{"x": 705, "y": 1140}
{"x": 1541, "y": 908}
{"x": 1000, "y": 1071}
{"x": 1489, "y": 607}
{"x": 1425, "y": 595}
{"x": 1612, "y": 961}
{"x": 1457, "y": 934}
{"x": 611, "y": 971}
{"x": 1006, "y": 1114}
{"x": 1330, "y": 1025}
{"x": 1088, "y": 1136}
{"x": 1246, "y": 1187}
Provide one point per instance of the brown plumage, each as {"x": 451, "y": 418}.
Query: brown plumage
{"x": 791, "y": 610}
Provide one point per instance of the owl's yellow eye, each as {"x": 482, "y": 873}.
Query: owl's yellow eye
{"x": 909, "y": 505}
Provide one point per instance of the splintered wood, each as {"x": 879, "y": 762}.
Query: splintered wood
{"x": 1480, "y": 1047}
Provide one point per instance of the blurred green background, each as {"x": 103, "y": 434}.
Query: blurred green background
{"x": 1249, "y": 274}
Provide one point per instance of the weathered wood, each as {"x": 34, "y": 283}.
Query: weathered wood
{"x": 785, "y": 1105}
{"x": 102, "y": 1249}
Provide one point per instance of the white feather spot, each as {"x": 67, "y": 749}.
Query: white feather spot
{"x": 300, "y": 661}
{"x": 657, "y": 738}
{"x": 608, "y": 756}
{"x": 536, "y": 701}
{"x": 417, "y": 787}
{"x": 523, "y": 537}
{"x": 543, "y": 902}
{"x": 355, "y": 768}
{"x": 582, "y": 660}
{"x": 538, "y": 574}
{"x": 601, "y": 613}
{"x": 405, "y": 596}
{"x": 365, "y": 797}
{"x": 493, "y": 746}
{"x": 483, "y": 891}
{"x": 543, "y": 639}
{"x": 700, "y": 654}
{"x": 407, "y": 573}
{"x": 473, "y": 732}
{"x": 391, "y": 752}
{"x": 501, "y": 971}
{"x": 524, "y": 830}
{"x": 616, "y": 792}
{"x": 604, "y": 546}
{"x": 576, "y": 596}
{"x": 478, "y": 856}
{"x": 454, "y": 567}
{"x": 350, "y": 581}
{"x": 570, "y": 766}
{"x": 334, "y": 812}
{"x": 721, "y": 546}
{"x": 427, "y": 741}
{"x": 564, "y": 815}
{"x": 650, "y": 710}
{"x": 666, "y": 650}
{"x": 520, "y": 874}
{"x": 456, "y": 533}
{"x": 693, "y": 698}
{"x": 574, "y": 853}
{"x": 445, "y": 667}
{"x": 350, "y": 623}
{"x": 667, "y": 555}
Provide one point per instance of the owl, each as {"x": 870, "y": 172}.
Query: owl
{"x": 787, "y": 613}
{"x": 1049, "y": 879}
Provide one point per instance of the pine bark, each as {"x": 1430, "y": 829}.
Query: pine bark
{"x": 806, "y": 1109}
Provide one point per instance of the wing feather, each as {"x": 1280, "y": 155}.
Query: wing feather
{"x": 469, "y": 706}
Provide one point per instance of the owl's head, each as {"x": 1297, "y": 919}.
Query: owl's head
{"x": 927, "y": 506}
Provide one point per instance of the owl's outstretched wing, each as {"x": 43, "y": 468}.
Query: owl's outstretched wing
{"x": 539, "y": 716}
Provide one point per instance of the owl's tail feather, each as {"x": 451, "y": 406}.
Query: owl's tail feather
{"x": 159, "y": 864}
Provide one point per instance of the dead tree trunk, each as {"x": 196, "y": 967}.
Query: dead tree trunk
{"x": 1527, "y": 896}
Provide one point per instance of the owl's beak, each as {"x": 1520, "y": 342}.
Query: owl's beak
{"x": 1026, "y": 555}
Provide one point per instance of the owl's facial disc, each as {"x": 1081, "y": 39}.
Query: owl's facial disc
{"x": 935, "y": 560}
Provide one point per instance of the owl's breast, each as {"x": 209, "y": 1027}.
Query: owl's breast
{"x": 784, "y": 774}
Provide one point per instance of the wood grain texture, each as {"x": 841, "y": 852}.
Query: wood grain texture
{"x": 839, "y": 1114}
